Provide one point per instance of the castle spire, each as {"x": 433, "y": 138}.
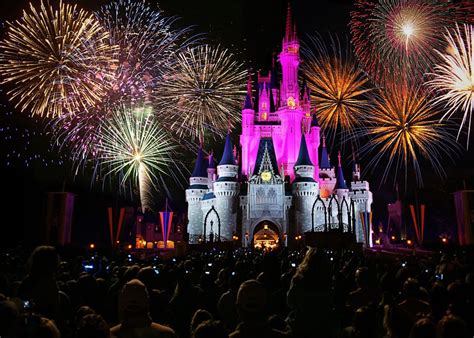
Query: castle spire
{"x": 325, "y": 162}
{"x": 228, "y": 155}
{"x": 200, "y": 168}
{"x": 303, "y": 156}
{"x": 340, "y": 181}
{"x": 290, "y": 34}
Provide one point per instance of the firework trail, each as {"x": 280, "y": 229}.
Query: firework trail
{"x": 134, "y": 147}
{"x": 338, "y": 87}
{"x": 401, "y": 36}
{"x": 404, "y": 128}
{"x": 56, "y": 60}
{"x": 203, "y": 93}
{"x": 453, "y": 77}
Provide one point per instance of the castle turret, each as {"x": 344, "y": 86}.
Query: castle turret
{"x": 361, "y": 196}
{"x": 313, "y": 139}
{"x": 226, "y": 190}
{"x": 198, "y": 186}
{"x": 305, "y": 188}
{"x": 327, "y": 177}
{"x": 211, "y": 171}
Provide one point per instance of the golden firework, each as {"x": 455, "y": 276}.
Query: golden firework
{"x": 56, "y": 60}
{"x": 338, "y": 88}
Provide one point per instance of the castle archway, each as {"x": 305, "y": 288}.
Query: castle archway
{"x": 266, "y": 235}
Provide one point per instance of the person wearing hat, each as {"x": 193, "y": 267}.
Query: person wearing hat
{"x": 251, "y": 307}
{"x": 134, "y": 308}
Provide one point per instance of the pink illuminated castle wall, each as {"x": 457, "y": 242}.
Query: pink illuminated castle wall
{"x": 280, "y": 111}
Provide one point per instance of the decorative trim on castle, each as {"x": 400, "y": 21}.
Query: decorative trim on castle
{"x": 281, "y": 184}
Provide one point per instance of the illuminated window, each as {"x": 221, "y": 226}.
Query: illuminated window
{"x": 264, "y": 115}
{"x": 264, "y": 105}
{"x": 291, "y": 102}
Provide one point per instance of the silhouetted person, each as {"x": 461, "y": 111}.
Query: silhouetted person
{"x": 423, "y": 328}
{"x": 33, "y": 326}
{"x": 251, "y": 306}
{"x": 8, "y": 318}
{"x": 412, "y": 304}
{"x": 200, "y": 316}
{"x": 451, "y": 327}
{"x": 363, "y": 295}
{"x": 92, "y": 326}
{"x": 362, "y": 324}
{"x": 134, "y": 310}
{"x": 310, "y": 298}
{"x": 210, "y": 329}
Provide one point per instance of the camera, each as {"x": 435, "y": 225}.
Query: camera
{"x": 88, "y": 267}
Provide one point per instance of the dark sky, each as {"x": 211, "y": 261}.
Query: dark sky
{"x": 253, "y": 29}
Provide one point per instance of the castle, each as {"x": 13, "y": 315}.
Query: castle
{"x": 281, "y": 188}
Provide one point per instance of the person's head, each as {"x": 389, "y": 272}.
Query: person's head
{"x": 8, "y": 317}
{"x": 199, "y": 317}
{"x": 251, "y": 300}
{"x": 362, "y": 277}
{"x": 43, "y": 261}
{"x": 82, "y": 312}
{"x": 148, "y": 276}
{"x": 33, "y": 326}
{"x": 133, "y": 300}
{"x": 210, "y": 329}
{"x": 451, "y": 327}
{"x": 396, "y": 322}
{"x": 411, "y": 288}
{"x": 92, "y": 326}
{"x": 314, "y": 267}
{"x": 363, "y": 319}
{"x": 423, "y": 328}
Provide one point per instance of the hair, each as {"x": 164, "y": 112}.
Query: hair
{"x": 314, "y": 268}
{"x": 43, "y": 261}
{"x": 451, "y": 327}
{"x": 210, "y": 329}
{"x": 92, "y": 326}
{"x": 199, "y": 317}
{"x": 33, "y": 326}
{"x": 423, "y": 328}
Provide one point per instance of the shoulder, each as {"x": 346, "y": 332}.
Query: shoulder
{"x": 163, "y": 329}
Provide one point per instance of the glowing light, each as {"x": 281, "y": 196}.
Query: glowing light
{"x": 408, "y": 29}
{"x": 401, "y": 36}
{"x": 338, "y": 87}
{"x": 92, "y": 246}
{"x": 403, "y": 128}
{"x": 409, "y": 242}
{"x": 135, "y": 146}
{"x": 202, "y": 92}
{"x": 57, "y": 60}
{"x": 453, "y": 77}
{"x": 393, "y": 238}
{"x": 444, "y": 240}
{"x": 129, "y": 246}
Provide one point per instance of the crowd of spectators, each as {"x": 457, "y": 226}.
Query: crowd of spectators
{"x": 239, "y": 293}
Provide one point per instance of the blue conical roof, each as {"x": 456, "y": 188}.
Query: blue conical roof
{"x": 248, "y": 102}
{"x": 303, "y": 156}
{"x": 314, "y": 121}
{"x": 272, "y": 104}
{"x": 228, "y": 155}
{"x": 340, "y": 181}
{"x": 200, "y": 168}
{"x": 324, "y": 162}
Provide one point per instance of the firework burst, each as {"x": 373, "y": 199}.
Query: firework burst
{"x": 453, "y": 78}
{"x": 147, "y": 42}
{"x": 338, "y": 87}
{"x": 56, "y": 60}
{"x": 400, "y": 36}
{"x": 134, "y": 147}
{"x": 203, "y": 92}
{"x": 404, "y": 129}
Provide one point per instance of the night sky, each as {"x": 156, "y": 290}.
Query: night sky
{"x": 251, "y": 29}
